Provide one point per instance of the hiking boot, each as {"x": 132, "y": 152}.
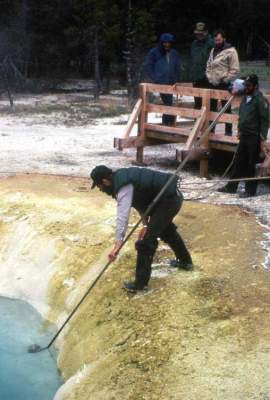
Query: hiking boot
{"x": 188, "y": 266}
{"x": 132, "y": 287}
{"x": 226, "y": 189}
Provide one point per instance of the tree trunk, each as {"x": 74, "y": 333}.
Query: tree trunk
{"x": 128, "y": 54}
{"x": 97, "y": 65}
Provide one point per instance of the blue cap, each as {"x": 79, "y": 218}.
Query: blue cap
{"x": 167, "y": 37}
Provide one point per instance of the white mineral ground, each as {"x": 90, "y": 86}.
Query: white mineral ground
{"x": 200, "y": 335}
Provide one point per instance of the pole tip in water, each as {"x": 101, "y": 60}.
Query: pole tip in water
{"x": 34, "y": 348}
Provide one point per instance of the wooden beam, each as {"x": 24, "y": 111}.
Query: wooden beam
{"x": 181, "y": 111}
{"x": 133, "y": 118}
{"x": 131, "y": 141}
{"x": 220, "y": 138}
{"x": 222, "y": 146}
{"x": 185, "y": 90}
{"x": 232, "y": 118}
{"x": 137, "y": 142}
{"x": 196, "y": 129}
{"x": 166, "y": 129}
{"x": 142, "y": 120}
{"x": 168, "y": 137}
{"x": 193, "y": 136}
{"x": 205, "y": 145}
{"x": 222, "y": 142}
{"x": 180, "y": 90}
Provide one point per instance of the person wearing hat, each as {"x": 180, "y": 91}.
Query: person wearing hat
{"x": 162, "y": 66}
{"x": 252, "y": 134}
{"x": 221, "y": 69}
{"x": 137, "y": 187}
{"x": 200, "y": 50}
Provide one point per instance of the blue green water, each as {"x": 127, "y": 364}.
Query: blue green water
{"x": 25, "y": 376}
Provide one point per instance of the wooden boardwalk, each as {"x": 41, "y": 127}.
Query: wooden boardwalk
{"x": 187, "y": 131}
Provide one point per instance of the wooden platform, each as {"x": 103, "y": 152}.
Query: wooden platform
{"x": 187, "y": 131}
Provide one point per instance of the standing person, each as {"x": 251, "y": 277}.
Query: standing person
{"x": 162, "y": 65}
{"x": 222, "y": 68}
{"x": 252, "y": 133}
{"x": 200, "y": 50}
{"x": 137, "y": 187}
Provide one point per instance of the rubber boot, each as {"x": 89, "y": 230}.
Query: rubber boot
{"x": 178, "y": 246}
{"x": 143, "y": 270}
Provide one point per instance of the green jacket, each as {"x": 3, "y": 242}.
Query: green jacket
{"x": 254, "y": 116}
{"x": 200, "y": 50}
{"x": 147, "y": 184}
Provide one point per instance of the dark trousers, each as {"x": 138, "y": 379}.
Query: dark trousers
{"x": 202, "y": 84}
{"x": 214, "y": 106}
{"x": 245, "y": 163}
{"x": 160, "y": 226}
{"x": 167, "y": 99}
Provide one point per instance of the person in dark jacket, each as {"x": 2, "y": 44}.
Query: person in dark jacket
{"x": 200, "y": 50}
{"x": 137, "y": 187}
{"x": 162, "y": 66}
{"x": 252, "y": 133}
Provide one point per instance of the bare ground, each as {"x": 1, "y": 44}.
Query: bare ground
{"x": 201, "y": 334}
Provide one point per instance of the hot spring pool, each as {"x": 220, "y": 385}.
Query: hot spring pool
{"x": 25, "y": 376}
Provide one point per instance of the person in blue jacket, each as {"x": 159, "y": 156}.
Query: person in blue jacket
{"x": 162, "y": 66}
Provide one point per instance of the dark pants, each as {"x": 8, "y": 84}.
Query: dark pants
{"x": 245, "y": 163}
{"x": 167, "y": 99}
{"x": 160, "y": 226}
{"x": 202, "y": 84}
{"x": 214, "y": 106}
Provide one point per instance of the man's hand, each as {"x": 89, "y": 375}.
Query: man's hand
{"x": 265, "y": 148}
{"x": 115, "y": 250}
{"x": 142, "y": 233}
{"x": 238, "y": 135}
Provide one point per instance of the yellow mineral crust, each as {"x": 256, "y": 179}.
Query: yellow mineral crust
{"x": 196, "y": 335}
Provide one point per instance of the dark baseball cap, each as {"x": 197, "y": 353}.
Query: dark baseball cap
{"x": 253, "y": 78}
{"x": 98, "y": 173}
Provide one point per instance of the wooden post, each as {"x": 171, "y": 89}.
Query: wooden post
{"x": 204, "y": 163}
{"x": 133, "y": 118}
{"x": 141, "y": 123}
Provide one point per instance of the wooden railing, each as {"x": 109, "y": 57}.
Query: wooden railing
{"x": 187, "y": 131}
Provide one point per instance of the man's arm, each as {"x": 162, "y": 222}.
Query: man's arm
{"x": 208, "y": 66}
{"x": 234, "y": 67}
{"x": 124, "y": 202}
{"x": 263, "y": 108}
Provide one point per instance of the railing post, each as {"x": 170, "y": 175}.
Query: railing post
{"x": 206, "y": 99}
{"x": 142, "y": 120}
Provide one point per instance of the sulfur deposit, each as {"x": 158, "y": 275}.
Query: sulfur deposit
{"x": 201, "y": 334}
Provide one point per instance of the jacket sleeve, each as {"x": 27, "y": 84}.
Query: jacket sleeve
{"x": 263, "y": 109}
{"x": 234, "y": 67}
{"x": 124, "y": 202}
{"x": 208, "y": 66}
{"x": 149, "y": 65}
{"x": 239, "y": 113}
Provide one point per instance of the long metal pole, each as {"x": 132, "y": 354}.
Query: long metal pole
{"x": 37, "y": 348}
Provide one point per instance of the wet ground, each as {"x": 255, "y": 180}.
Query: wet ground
{"x": 201, "y": 334}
